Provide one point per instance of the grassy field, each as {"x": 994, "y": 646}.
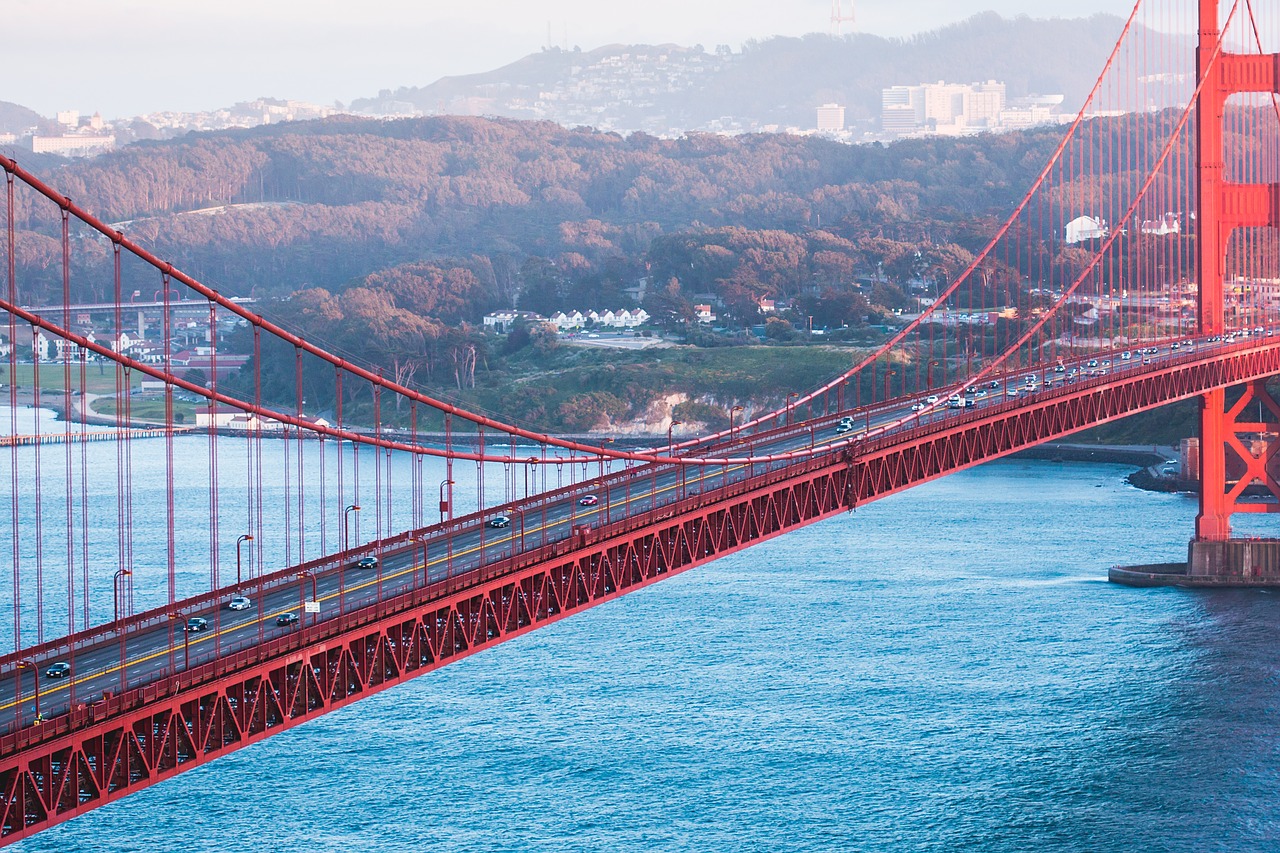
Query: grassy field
{"x": 98, "y": 378}
{"x": 149, "y": 409}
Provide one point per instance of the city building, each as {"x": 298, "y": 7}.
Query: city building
{"x": 959, "y": 108}
{"x": 73, "y": 145}
{"x": 830, "y": 118}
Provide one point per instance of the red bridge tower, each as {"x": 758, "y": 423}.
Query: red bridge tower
{"x": 1224, "y": 207}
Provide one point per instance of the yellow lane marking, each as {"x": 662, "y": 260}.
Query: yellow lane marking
{"x": 204, "y": 638}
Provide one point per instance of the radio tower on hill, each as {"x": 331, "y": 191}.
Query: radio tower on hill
{"x": 838, "y": 17}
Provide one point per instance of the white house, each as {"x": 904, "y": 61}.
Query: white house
{"x": 1085, "y": 228}
{"x": 504, "y": 321}
{"x": 225, "y": 417}
{"x": 60, "y": 348}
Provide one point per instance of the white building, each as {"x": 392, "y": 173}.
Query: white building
{"x": 56, "y": 349}
{"x": 623, "y": 319}
{"x": 1085, "y": 228}
{"x": 830, "y": 118}
{"x": 503, "y": 322}
{"x": 76, "y": 145}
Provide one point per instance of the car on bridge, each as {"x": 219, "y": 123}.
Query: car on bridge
{"x": 588, "y": 500}
{"x": 498, "y": 521}
{"x": 61, "y": 669}
{"x": 196, "y": 624}
{"x": 285, "y": 619}
{"x": 239, "y": 602}
{"x": 367, "y": 563}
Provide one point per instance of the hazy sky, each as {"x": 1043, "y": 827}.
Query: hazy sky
{"x": 129, "y": 57}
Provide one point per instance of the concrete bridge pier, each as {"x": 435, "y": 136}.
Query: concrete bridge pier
{"x": 1224, "y": 563}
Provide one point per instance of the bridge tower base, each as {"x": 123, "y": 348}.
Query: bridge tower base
{"x": 1229, "y": 563}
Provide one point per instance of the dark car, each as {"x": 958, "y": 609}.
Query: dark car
{"x": 287, "y": 619}
{"x": 498, "y": 521}
{"x": 61, "y": 669}
{"x": 588, "y": 500}
{"x": 196, "y": 624}
{"x": 367, "y": 563}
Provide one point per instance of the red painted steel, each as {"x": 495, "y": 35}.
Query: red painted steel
{"x": 1222, "y": 208}
{"x": 99, "y": 753}
{"x": 53, "y": 770}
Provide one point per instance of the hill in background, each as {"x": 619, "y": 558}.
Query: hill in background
{"x": 17, "y": 119}
{"x": 779, "y": 81}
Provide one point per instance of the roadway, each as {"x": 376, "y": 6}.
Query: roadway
{"x": 144, "y": 654}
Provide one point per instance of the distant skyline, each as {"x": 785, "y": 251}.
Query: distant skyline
{"x": 132, "y": 57}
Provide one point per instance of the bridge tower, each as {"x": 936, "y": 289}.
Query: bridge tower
{"x": 1222, "y": 208}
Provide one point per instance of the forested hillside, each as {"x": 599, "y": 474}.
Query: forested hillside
{"x": 390, "y": 240}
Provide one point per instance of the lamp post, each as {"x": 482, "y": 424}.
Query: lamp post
{"x": 346, "y": 526}
{"x": 733, "y": 413}
{"x": 674, "y": 424}
{"x": 791, "y": 395}
{"x": 929, "y": 374}
{"x": 603, "y": 481}
{"x": 115, "y": 585}
{"x": 421, "y": 539}
{"x": 186, "y": 641}
{"x": 445, "y": 505}
{"x": 528, "y": 466}
{"x": 244, "y": 537}
{"x": 887, "y": 375}
{"x": 26, "y": 664}
{"x": 302, "y": 605}
{"x": 520, "y": 510}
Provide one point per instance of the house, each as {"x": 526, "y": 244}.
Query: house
{"x": 503, "y": 322}
{"x": 57, "y": 349}
{"x": 226, "y": 417}
{"x": 704, "y": 314}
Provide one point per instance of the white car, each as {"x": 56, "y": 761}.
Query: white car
{"x": 931, "y": 399}
{"x": 239, "y": 602}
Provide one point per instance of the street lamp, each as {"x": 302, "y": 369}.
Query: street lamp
{"x": 35, "y": 671}
{"x": 444, "y": 504}
{"x": 302, "y": 605}
{"x": 244, "y": 537}
{"x": 929, "y": 374}
{"x": 887, "y": 374}
{"x": 732, "y": 414}
{"x": 674, "y": 424}
{"x": 528, "y": 466}
{"x": 186, "y": 641}
{"x": 421, "y": 539}
{"x": 115, "y": 584}
{"x": 346, "y": 526}
{"x": 791, "y": 395}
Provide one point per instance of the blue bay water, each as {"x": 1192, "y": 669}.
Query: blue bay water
{"x": 945, "y": 669}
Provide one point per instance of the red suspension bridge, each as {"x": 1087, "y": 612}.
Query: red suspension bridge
{"x": 1141, "y": 268}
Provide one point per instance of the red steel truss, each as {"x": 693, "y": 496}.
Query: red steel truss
{"x": 1223, "y": 208}
{"x": 103, "y": 752}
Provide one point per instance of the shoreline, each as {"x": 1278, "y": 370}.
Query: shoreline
{"x": 1147, "y": 457}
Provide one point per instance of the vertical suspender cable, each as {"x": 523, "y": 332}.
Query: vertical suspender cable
{"x": 12, "y": 272}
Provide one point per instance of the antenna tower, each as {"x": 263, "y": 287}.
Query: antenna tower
{"x": 838, "y": 17}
